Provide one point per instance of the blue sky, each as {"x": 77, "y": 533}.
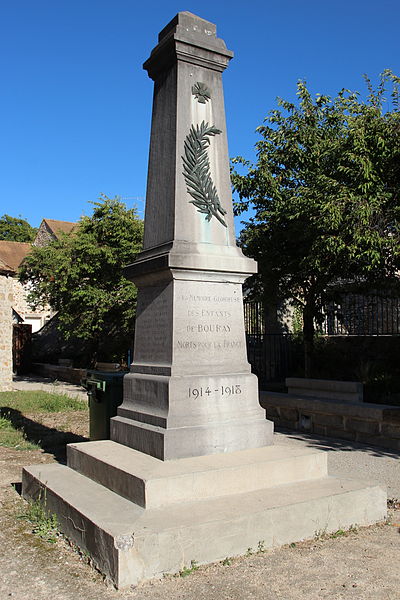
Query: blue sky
{"x": 75, "y": 105}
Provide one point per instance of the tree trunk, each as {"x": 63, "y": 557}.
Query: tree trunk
{"x": 308, "y": 337}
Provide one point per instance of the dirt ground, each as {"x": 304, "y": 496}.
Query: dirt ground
{"x": 362, "y": 565}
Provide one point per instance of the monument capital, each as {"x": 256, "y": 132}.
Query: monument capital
{"x": 189, "y": 39}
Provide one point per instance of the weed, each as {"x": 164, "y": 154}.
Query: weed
{"x": 261, "y": 546}
{"x": 249, "y": 552}
{"x": 338, "y": 533}
{"x": 226, "y": 562}
{"x": 44, "y": 525}
{"x": 320, "y": 534}
{"x": 292, "y": 545}
{"x": 189, "y": 570}
{"x": 393, "y": 503}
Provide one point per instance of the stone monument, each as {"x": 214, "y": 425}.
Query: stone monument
{"x": 190, "y": 391}
{"x": 190, "y": 472}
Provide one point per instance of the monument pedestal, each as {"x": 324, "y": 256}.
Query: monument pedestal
{"x": 190, "y": 391}
{"x": 189, "y": 472}
{"x": 140, "y": 517}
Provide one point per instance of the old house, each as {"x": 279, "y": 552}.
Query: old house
{"x": 12, "y": 254}
{"x": 14, "y": 307}
{"x": 50, "y": 230}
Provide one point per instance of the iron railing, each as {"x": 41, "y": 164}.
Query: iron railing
{"x": 362, "y": 315}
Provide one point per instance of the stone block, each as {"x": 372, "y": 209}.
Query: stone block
{"x": 183, "y": 442}
{"x": 335, "y": 421}
{"x": 371, "y": 412}
{"x": 370, "y": 427}
{"x": 152, "y": 483}
{"x": 272, "y": 412}
{"x": 287, "y": 424}
{"x": 289, "y": 414}
{"x": 390, "y": 430}
{"x": 319, "y": 429}
{"x": 347, "y": 391}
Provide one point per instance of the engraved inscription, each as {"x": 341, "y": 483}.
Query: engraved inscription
{"x": 212, "y": 323}
{"x": 197, "y": 298}
{"x": 222, "y": 390}
{"x": 224, "y": 345}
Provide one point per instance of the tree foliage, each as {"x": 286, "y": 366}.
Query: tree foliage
{"x": 81, "y": 275}
{"x": 16, "y": 229}
{"x": 325, "y": 190}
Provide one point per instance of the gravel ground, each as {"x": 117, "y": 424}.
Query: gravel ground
{"x": 360, "y": 565}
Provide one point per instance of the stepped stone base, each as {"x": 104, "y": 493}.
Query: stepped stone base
{"x": 202, "y": 508}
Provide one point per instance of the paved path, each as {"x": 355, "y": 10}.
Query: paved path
{"x": 34, "y": 382}
{"x": 349, "y": 459}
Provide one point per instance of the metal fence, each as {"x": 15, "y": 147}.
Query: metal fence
{"x": 348, "y": 314}
{"x": 362, "y": 315}
{"x": 271, "y": 355}
{"x": 254, "y": 318}
{"x": 274, "y": 356}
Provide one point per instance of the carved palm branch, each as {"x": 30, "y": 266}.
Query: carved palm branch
{"x": 196, "y": 171}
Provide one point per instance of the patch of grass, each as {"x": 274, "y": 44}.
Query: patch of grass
{"x": 189, "y": 570}
{"x": 39, "y": 402}
{"x": 10, "y": 437}
{"x": 44, "y": 525}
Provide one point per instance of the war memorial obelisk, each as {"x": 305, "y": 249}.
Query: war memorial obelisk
{"x": 190, "y": 391}
{"x": 190, "y": 472}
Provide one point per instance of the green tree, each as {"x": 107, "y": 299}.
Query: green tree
{"x": 14, "y": 229}
{"x": 81, "y": 276}
{"x": 325, "y": 192}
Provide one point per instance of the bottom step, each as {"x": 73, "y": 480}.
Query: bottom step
{"x": 131, "y": 544}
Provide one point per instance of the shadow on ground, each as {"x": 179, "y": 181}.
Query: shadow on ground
{"x": 332, "y": 444}
{"x": 50, "y": 439}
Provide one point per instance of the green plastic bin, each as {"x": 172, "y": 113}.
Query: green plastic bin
{"x": 105, "y": 394}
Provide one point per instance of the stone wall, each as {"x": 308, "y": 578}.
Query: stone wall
{"x": 22, "y": 307}
{"x": 6, "y": 297}
{"x": 44, "y": 235}
{"x": 375, "y": 424}
{"x": 59, "y": 372}
{"x": 20, "y": 303}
